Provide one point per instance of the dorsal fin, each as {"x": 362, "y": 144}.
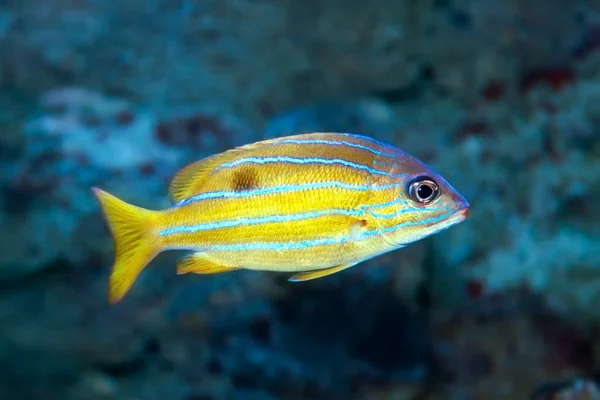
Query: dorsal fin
{"x": 189, "y": 181}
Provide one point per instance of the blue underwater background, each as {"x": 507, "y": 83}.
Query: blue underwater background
{"x": 501, "y": 97}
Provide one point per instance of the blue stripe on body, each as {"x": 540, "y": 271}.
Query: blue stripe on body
{"x": 323, "y": 241}
{"x": 289, "y": 218}
{"x": 367, "y": 138}
{"x": 336, "y": 143}
{"x": 256, "y": 221}
{"x": 305, "y": 160}
{"x": 226, "y": 194}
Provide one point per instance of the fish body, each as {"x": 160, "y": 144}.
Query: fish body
{"x": 310, "y": 204}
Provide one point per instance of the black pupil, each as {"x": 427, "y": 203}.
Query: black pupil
{"x": 424, "y": 191}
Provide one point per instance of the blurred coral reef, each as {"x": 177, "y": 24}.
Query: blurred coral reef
{"x": 501, "y": 97}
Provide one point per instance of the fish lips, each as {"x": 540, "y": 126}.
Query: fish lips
{"x": 461, "y": 214}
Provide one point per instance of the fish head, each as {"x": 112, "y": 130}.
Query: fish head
{"x": 425, "y": 204}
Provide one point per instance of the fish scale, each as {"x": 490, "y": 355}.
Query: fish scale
{"x": 310, "y": 204}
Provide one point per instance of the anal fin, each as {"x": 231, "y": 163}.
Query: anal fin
{"x": 307, "y": 276}
{"x": 199, "y": 263}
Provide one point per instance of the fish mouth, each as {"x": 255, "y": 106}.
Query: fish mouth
{"x": 461, "y": 214}
{"x": 454, "y": 219}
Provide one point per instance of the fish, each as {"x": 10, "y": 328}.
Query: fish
{"x": 310, "y": 205}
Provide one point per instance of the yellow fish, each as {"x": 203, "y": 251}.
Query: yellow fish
{"x": 311, "y": 204}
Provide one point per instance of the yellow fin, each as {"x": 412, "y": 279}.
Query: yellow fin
{"x": 133, "y": 236}
{"x": 199, "y": 263}
{"x": 307, "y": 276}
{"x": 189, "y": 181}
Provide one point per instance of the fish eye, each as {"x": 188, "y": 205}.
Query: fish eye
{"x": 423, "y": 190}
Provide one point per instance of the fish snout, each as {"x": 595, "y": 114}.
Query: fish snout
{"x": 461, "y": 204}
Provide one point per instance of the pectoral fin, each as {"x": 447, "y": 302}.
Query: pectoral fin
{"x": 307, "y": 276}
{"x": 199, "y": 263}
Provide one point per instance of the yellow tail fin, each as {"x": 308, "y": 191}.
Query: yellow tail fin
{"x": 134, "y": 238}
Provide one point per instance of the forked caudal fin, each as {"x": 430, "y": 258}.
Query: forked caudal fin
{"x": 134, "y": 239}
